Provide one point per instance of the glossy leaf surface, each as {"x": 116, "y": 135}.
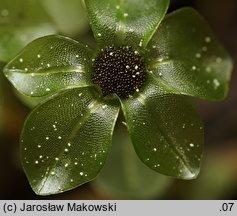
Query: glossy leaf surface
{"x": 166, "y": 132}
{"x": 50, "y": 64}
{"x": 125, "y": 176}
{"x": 28, "y": 101}
{"x": 125, "y": 21}
{"x": 21, "y": 21}
{"x": 187, "y": 56}
{"x": 66, "y": 140}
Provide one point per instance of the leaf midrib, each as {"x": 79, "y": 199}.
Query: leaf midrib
{"x": 169, "y": 141}
{"x": 121, "y": 20}
{"x": 76, "y": 128}
{"x": 46, "y": 72}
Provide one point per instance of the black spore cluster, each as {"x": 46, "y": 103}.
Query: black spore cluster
{"x": 120, "y": 71}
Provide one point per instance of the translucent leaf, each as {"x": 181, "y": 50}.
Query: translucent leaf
{"x": 50, "y": 64}
{"x": 216, "y": 181}
{"x": 185, "y": 54}
{"x": 65, "y": 141}
{"x": 128, "y": 21}
{"x": 28, "y": 101}
{"x": 124, "y": 175}
{"x": 21, "y": 21}
{"x": 69, "y": 16}
{"x": 166, "y": 132}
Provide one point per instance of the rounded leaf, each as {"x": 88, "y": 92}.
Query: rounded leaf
{"x": 186, "y": 55}
{"x": 166, "y": 132}
{"x": 129, "y": 21}
{"x": 50, "y": 64}
{"x": 66, "y": 140}
{"x": 124, "y": 175}
{"x": 28, "y": 101}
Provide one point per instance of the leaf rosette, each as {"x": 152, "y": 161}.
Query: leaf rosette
{"x": 66, "y": 139}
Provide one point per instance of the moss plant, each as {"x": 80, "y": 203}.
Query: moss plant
{"x": 145, "y": 65}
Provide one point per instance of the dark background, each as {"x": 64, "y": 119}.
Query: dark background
{"x": 218, "y": 177}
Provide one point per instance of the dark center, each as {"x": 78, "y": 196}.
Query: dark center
{"x": 119, "y": 70}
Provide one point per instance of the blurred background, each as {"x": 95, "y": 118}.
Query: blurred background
{"x": 124, "y": 176}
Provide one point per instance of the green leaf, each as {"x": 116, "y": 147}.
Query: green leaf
{"x": 125, "y": 21}
{"x": 69, "y": 16}
{"x": 28, "y": 101}
{"x": 21, "y": 21}
{"x": 50, "y": 64}
{"x": 124, "y": 175}
{"x": 166, "y": 132}
{"x": 217, "y": 179}
{"x": 65, "y": 141}
{"x": 185, "y": 54}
